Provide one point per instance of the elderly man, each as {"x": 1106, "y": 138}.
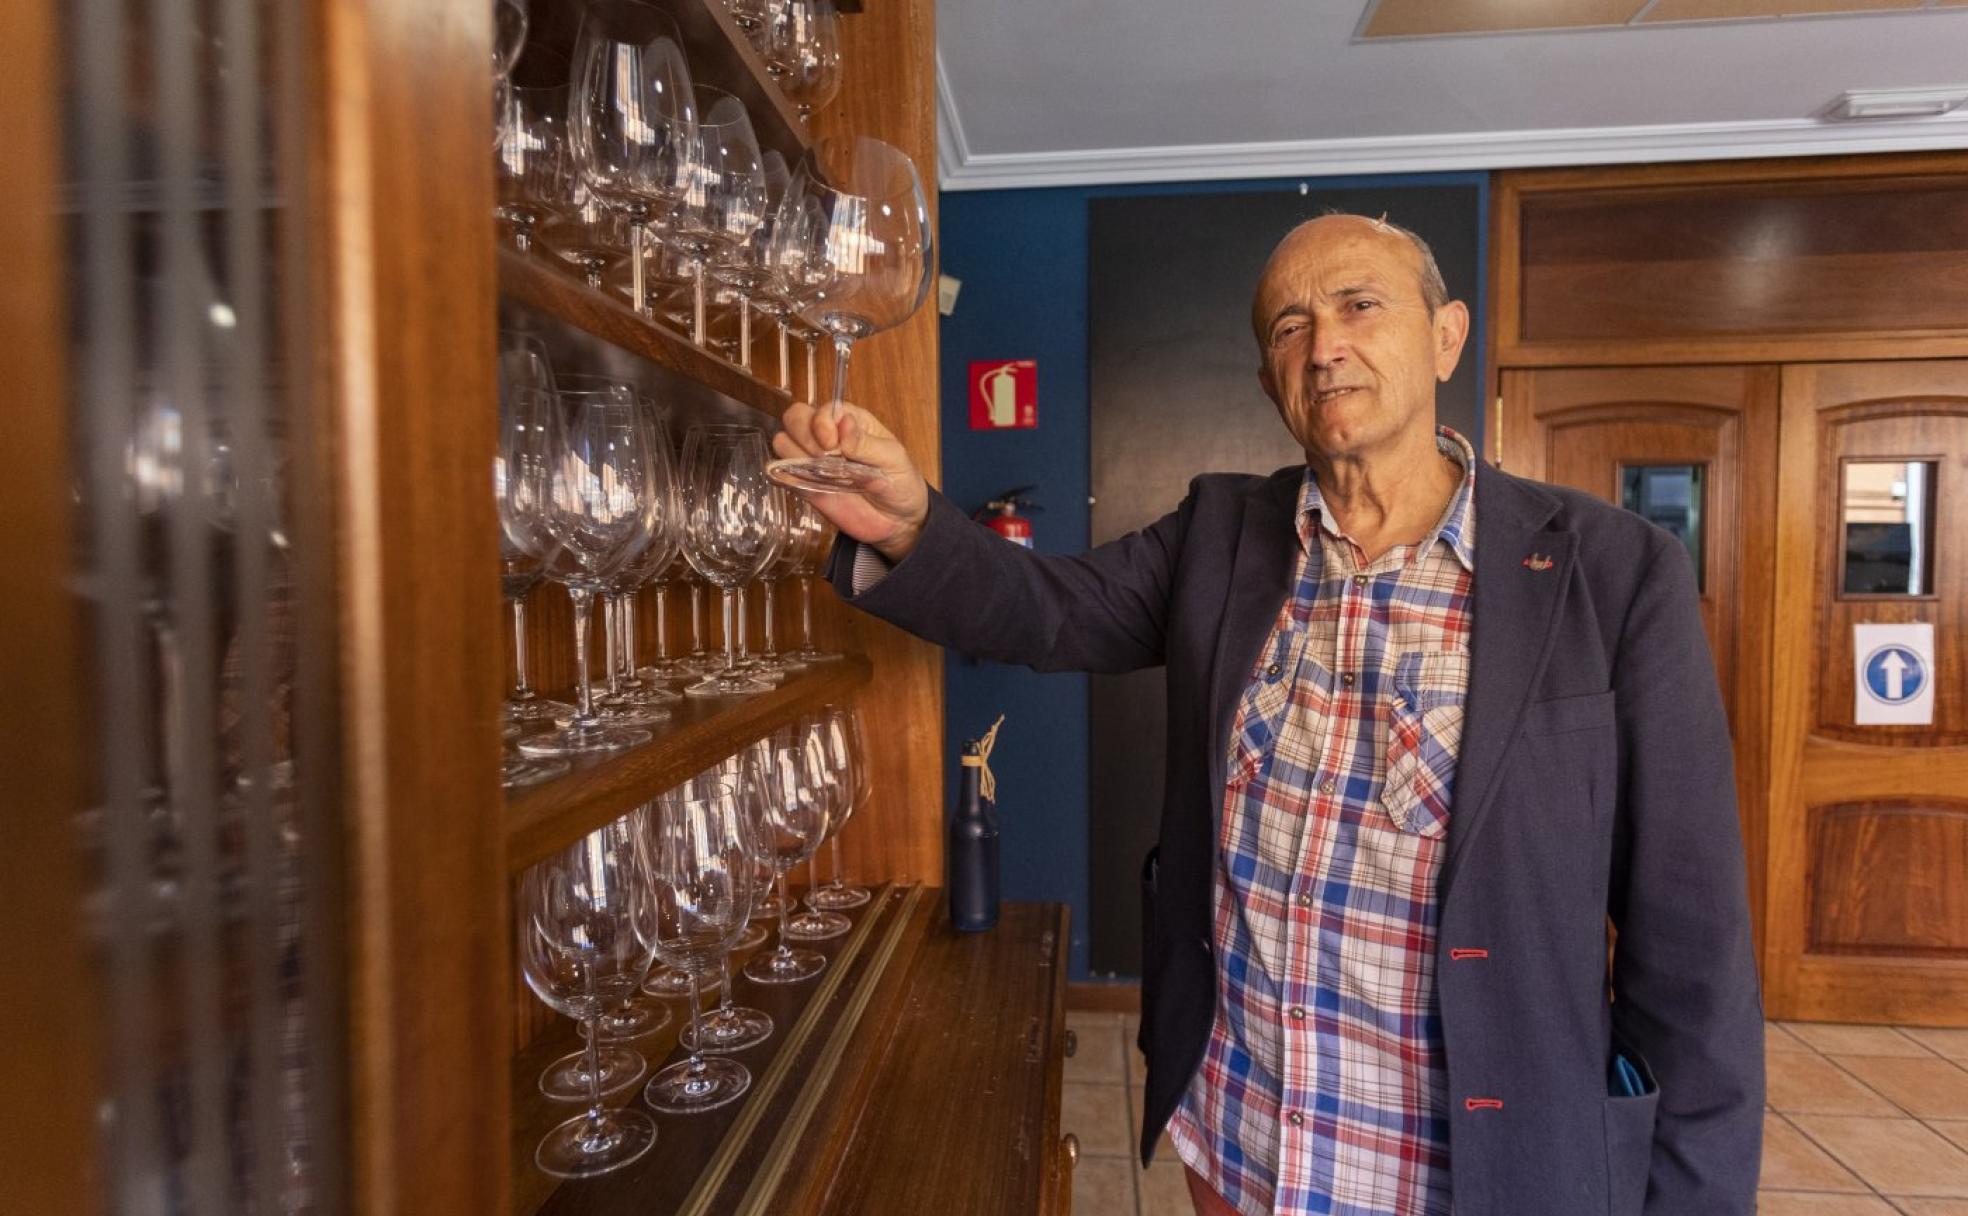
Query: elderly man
{"x": 1430, "y": 727}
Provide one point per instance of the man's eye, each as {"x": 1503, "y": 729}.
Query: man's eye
{"x": 1285, "y": 332}
{"x": 1364, "y": 305}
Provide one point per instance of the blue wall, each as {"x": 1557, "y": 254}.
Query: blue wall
{"x": 1022, "y": 258}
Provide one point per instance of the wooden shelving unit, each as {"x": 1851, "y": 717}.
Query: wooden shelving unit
{"x": 528, "y": 279}
{"x": 548, "y": 817}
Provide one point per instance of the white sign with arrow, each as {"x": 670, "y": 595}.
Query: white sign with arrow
{"x": 1894, "y": 670}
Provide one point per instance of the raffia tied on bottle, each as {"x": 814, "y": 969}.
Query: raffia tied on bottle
{"x": 978, "y": 755}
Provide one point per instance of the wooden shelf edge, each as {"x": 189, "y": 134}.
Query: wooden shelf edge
{"x": 530, "y": 281}
{"x": 548, "y": 817}
{"x": 740, "y": 71}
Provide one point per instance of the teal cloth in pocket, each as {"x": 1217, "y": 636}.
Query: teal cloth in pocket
{"x": 1628, "y": 1082}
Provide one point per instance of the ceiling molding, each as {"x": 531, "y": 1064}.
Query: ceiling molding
{"x": 962, "y": 169}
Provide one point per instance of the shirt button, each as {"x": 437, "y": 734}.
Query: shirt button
{"x": 1305, "y": 900}
{"x": 1297, "y": 1014}
{"x": 1328, "y": 786}
{"x": 1296, "y": 1119}
{"x": 1359, "y": 580}
{"x": 1347, "y": 679}
{"x": 1274, "y": 670}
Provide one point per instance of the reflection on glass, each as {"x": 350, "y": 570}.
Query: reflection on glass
{"x": 1670, "y": 495}
{"x": 1889, "y": 527}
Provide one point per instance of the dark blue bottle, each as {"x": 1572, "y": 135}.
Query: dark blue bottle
{"x": 972, "y": 856}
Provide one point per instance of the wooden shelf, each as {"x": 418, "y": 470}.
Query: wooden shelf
{"x": 531, "y": 281}
{"x": 550, "y": 816}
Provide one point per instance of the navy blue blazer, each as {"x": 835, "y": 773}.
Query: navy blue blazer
{"x": 1595, "y": 781}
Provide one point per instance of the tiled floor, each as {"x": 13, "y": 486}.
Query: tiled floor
{"x": 1863, "y": 1121}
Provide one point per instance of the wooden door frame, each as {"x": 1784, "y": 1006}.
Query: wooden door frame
{"x": 404, "y": 285}
{"x": 48, "y": 1147}
{"x": 1847, "y": 988}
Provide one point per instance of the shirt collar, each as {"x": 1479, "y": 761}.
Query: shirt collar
{"x": 1452, "y": 529}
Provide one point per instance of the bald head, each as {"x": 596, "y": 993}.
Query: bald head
{"x": 1339, "y": 228}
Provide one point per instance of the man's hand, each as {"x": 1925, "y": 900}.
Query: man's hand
{"x": 890, "y": 512}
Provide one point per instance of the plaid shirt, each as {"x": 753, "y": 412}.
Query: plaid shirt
{"x": 1323, "y": 1088}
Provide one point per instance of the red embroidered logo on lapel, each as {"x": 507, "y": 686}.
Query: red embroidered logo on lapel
{"x": 1538, "y": 562}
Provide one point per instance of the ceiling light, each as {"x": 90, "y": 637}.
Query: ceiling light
{"x": 1862, "y": 105}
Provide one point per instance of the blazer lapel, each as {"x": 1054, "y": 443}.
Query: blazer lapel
{"x": 1260, "y": 578}
{"x": 1522, "y": 570}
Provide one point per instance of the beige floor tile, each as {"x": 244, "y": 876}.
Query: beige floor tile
{"x": 1792, "y": 1163}
{"x": 1954, "y": 1129}
{"x": 1840, "y": 1040}
{"x": 1099, "y": 1058}
{"x": 1778, "y": 1037}
{"x": 1798, "y": 1203}
{"x": 1083, "y": 1019}
{"x": 1932, "y": 1207}
{"x": 1931, "y": 1088}
{"x": 1103, "y": 1186}
{"x": 1098, "y": 1115}
{"x": 1950, "y": 1043}
{"x": 1894, "y": 1156}
{"x": 1809, "y": 1084}
{"x": 1164, "y": 1189}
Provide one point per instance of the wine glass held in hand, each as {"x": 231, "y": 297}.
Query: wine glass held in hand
{"x": 585, "y": 917}
{"x": 855, "y": 222}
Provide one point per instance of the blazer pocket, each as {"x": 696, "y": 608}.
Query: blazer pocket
{"x": 1562, "y": 715}
{"x": 1629, "y": 1133}
{"x": 1424, "y": 737}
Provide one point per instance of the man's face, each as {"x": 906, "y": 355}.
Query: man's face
{"x": 1351, "y": 354}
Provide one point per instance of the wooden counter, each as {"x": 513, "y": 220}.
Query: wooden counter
{"x": 919, "y": 1073}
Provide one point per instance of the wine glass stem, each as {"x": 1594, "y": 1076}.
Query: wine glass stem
{"x": 591, "y": 1062}
{"x": 697, "y": 302}
{"x": 843, "y": 347}
{"x": 771, "y": 635}
{"x": 696, "y": 1021}
{"x": 744, "y": 332}
{"x": 812, "y": 875}
{"x": 522, "y": 691}
{"x": 583, "y": 601}
{"x": 785, "y": 359}
{"x": 839, "y": 879}
{"x": 611, "y": 634}
{"x": 628, "y": 611}
{"x": 696, "y": 619}
{"x": 806, "y": 612}
{"x": 637, "y": 237}
{"x": 812, "y": 370}
{"x": 785, "y": 913}
{"x": 725, "y": 1003}
{"x": 731, "y": 631}
{"x": 662, "y": 623}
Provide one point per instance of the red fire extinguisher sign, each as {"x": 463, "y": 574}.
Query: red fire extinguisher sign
{"x": 1004, "y": 394}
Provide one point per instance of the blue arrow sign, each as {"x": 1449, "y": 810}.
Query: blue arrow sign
{"x": 1894, "y": 675}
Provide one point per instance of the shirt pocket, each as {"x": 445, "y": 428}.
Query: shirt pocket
{"x": 1424, "y": 737}
{"x": 1267, "y": 699}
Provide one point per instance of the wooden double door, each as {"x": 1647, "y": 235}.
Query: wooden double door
{"x": 1813, "y": 498}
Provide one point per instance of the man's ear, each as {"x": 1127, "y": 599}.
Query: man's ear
{"x": 1451, "y": 331}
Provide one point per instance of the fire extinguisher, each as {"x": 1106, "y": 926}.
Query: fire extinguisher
{"x": 1000, "y": 515}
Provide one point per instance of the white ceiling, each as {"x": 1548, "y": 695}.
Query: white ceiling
{"x": 1066, "y": 92}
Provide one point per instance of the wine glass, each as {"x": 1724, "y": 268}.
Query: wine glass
{"x": 700, "y": 871}
{"x": 748, "y": 272}
{"x": 584, "y": 917}
{"x": 791, "y": 822}
{"x": 847, "y": 751}
{"x": 729, "y": 521}
{"x": 528, "y": 413}
{"x": 630, "y": 116}
{"x": 600, "y": 508}
{"x": 508, "y": 35}
{"x": 533, "y": 160}
{"x": 735, "y": 1027}
{"x": 785, "y": 563}
{"x": 856, "y": 227}
{"x": 811, "y": 922}
{"x": 812, "y": 539}
{"x": 803, "y": 53}
{"x": 750, "y": 16}
{"x": 723, "y": 200}
{"x": 584, "y": 232}
{"x": 664, "y": 667}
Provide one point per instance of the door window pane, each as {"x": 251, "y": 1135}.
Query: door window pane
{"x": 1670, "y": 495}
{"x": 1889, "y": 527}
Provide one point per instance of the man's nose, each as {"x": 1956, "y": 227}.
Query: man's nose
{"x": 1327, "y": 347}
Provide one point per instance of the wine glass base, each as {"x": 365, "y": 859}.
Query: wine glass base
{"x": 674, "y": 985}
{"x": 576, "y": 738}
{"x": 566, "y": 1079}
{"x": 836, "y": 898}
{"x": 619, "y": 711}
{"x": 636, "y": 1018}
{"x": 726, "y": 686}
{"x": 810, "y": 656}
{"x": 638, "y": 691}
{"x": 817, "y": 926}
{"x": 586, "y": 1147}
{"x": 537, "y": 709}
{"x": 829, "y": 473}
{"x": 791, "y": 967}
{"x": 760, "y": 672}
{"x": 729, "y": 1030}
{"x": 668, "y": 671}
{"x": 698, "y": 1085}
{"x": 522, "y": 771}
{"x": 753, "y": 938}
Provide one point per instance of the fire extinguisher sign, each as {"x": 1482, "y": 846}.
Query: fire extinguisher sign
{"x": 1004, "y": 394}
